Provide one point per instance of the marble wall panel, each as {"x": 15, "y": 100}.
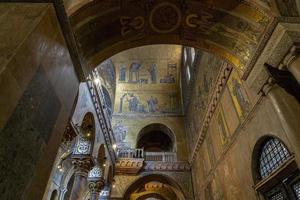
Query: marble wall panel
{"x": 38, "y": 88}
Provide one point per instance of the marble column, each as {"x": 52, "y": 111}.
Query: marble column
{"x": 291, "y": 62}
{"x": 288, "y": 112}
{"x": 82, "y": 167}
{"x": 95, "y": 188}
{"x": 95, "y": 182}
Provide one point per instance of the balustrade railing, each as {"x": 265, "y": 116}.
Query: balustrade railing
{"x": 160, "y": 156}
{"x": 148, "y": 156}
{"x": 130, "y": 153}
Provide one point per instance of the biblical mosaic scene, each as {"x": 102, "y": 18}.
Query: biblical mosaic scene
{"x": 150, "y": 100}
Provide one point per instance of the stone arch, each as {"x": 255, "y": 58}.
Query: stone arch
{"x": 256, "y": 154}
{"x": 157, "y": 128}
{"x": 101, "y": 156}
{"x": 54, "y": 195}
{"x": 103, "y": 29}
{"x": 88, "y": 129}
{"x": 161, "y": 178}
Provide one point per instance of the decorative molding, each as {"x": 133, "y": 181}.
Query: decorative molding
{"x": 82, "y": 165}
{"x": 129, "y": 165}
{"x": 101, "y": 115}
{"x": 166, "y": 166}
{"x": 220, "y": 85}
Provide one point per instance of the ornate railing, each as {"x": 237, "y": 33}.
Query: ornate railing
{"x": 130, "y": 153}
{"x": 161, "y": 156}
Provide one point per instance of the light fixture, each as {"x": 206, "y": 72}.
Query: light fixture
{"x": 104, "y": 165}
{"x": 113, "y": 183}
{"x": 96, "y": 80}
{"x": 59, "y": 166}
{"x": 60, "y": 169}
{"x": 114, "y": 146}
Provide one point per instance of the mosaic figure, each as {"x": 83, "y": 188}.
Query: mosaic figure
{"x": 133, "y": 103}
{"x": 153, "y": 70}
{"x": 122, "y": 73}
{"x": 237, "y": 92}
{"x": 152, "y": 102}
{"x": 120, "y": 131}
{"x": 134, "y": 72}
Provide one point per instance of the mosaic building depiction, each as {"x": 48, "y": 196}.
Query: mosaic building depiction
{"x": 150, "y": 100}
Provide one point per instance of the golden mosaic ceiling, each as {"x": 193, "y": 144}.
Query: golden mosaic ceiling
{"x": 231, "y": 29}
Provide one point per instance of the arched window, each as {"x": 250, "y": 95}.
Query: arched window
{"x": 273, "y": 155}
{"x": 276, "y": 172}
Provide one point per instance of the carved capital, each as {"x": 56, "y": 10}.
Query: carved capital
{"x": 95, "y": 187}
{"x": 82, "y": 165}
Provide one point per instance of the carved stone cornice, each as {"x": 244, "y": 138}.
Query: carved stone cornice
{"x": 166, "y": 166}
{"x": 129, "y": 165}
{"x": 82, "y": 165}
{"x": 105, "y": 125}
{"x": 221, "y": 83}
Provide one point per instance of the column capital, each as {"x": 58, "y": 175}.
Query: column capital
{"x": 290, "y": 57}
{"x": 95, "y": 187}
{"x": 82, "y": 165}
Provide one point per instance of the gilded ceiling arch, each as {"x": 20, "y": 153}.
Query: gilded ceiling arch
{"x": 233, "y": 30}
{"x": 149, "y": 179}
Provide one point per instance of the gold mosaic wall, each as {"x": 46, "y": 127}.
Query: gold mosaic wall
{"x": 148, "y": 80}
{"x": 148, "y": 91}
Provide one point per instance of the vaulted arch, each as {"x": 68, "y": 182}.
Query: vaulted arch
{"x": 138, "y": 187}
{"x": 156, "y": 137}
{"x": 231, "y": 30}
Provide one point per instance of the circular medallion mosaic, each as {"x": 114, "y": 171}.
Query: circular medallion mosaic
{"x": 165, "y": 18}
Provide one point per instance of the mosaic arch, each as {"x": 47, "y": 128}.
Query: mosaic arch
{"x": 146, "y": 186}
{"x": 233, "y": 30}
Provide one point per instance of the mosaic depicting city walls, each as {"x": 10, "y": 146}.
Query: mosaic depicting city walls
{"x": 208, "y": 67}
{"x": 148, "y": 80}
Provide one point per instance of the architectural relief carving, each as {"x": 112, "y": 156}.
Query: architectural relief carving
{"x": 82, "y": 165}
{"x": 129, "y": 166}
{"x": 166, "y": 166}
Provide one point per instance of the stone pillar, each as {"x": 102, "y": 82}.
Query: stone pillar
{"x": 288, "y": 112}
{"x": 82, "y": 167}
{"x": 291, "y": 62}
{"x": 95, "y": 182}
{"x": 95, "y": 188}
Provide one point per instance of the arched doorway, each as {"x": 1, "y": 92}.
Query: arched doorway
{"x": 156, "y": 138}
{"x": 154, "y": 186}
{"x": 158, "y": 143}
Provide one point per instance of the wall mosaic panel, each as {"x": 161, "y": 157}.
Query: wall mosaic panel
{"x": 208, "y": 67}
{"x": 238, "y": 94}
{"x": 148, "y": 80}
